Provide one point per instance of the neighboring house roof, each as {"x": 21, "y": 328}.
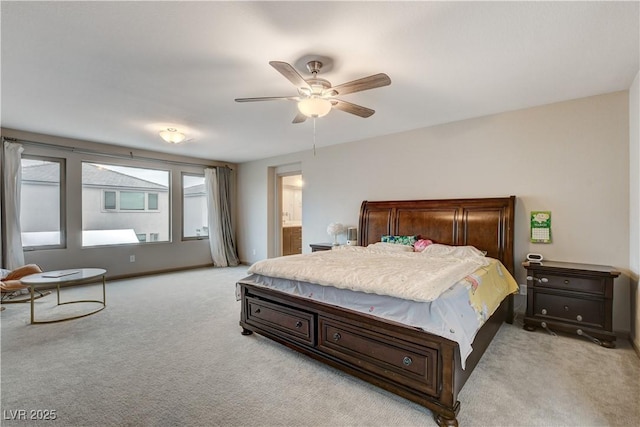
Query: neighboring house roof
{"x": 194, "y": 190}
{"x": 48, "y": 172}
{"x": 92, "y": 176}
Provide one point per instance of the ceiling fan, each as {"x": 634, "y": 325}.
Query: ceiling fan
{"x": 316, "y": 97}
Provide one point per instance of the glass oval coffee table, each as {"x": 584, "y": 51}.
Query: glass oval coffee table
{"x": 75, "y": 276}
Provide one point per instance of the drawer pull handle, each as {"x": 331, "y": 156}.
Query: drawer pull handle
{"x": 535, "y": 279}
{"x": 546, "y": 327}
{"x": 566, "y": 308}
{"x": 257, "y": 311}
{"x": 584, "y": 334}
{"x": 407, "y": 361}
{"x": 543, "y": 311}
{"x": 579, "y": 318}
{"x": 298, "y": 324}
{"x": 566, "y": 281}
{"x": 336, "y": 336}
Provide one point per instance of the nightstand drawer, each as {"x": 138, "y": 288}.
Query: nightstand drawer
{"x": 592, "y": 285}
{"x": 581, "y": 311}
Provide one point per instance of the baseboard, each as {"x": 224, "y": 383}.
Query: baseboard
{"x": 626, "y": 335}
{"x": 154, "y": 272}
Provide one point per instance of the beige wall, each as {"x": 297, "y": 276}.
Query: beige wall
{"x": 570, "y": 158}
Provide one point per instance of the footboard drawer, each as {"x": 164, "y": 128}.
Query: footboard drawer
{"x": 388, "y": 356}
{"x": 296, "y": 324}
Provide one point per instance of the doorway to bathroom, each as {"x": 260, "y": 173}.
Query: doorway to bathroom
{"x": 290, "y": 192}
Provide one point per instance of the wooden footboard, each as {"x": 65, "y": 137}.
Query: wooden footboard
{"x": 416, "y": 365}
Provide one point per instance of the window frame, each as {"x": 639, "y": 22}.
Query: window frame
{"x": 118, "y": 209}
{"x": 182, "y": 176}
{"x": 62, "y": 163}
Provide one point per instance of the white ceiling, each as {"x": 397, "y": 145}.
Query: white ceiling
{"x": 118, "y": 72}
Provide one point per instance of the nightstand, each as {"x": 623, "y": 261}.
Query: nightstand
{"x": 315, "y": 247}
{"x": 573, "y": 298}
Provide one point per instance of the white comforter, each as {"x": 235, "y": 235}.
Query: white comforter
{"x": 408, "y": 275}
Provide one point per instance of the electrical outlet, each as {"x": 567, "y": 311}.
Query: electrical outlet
{"x": 253, "y": 252}
{"x": 523, "y": 289}
{"x": 132, "y": 258}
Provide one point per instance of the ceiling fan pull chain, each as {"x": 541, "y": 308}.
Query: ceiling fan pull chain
{"x": 314, "y": 137}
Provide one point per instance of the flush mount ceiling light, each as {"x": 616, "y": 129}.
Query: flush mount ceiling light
{"x": 172, "y": 136}
{"x": 314, "y": 107}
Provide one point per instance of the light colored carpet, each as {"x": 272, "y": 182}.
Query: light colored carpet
{"x": 167, "y": 351}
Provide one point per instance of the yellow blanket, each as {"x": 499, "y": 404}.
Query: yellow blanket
{"x": 496, "y": 283}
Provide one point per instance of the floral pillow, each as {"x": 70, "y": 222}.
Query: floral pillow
{"x": 399, "y": 240}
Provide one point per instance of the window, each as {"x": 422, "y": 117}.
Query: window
{"x": 194, "y": 207}
{"x": 109, "y": 199}
{"x": 152, "y": 201}
{"x": 124, "y": 204}
{"x": 130, "y": 201}
{"x": 42, "y": 190}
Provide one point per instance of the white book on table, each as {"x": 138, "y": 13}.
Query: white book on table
{"x": 54, "y": 274}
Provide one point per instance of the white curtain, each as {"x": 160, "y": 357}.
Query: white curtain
{"x": 221, "y": 234}
{"x": 12, "y": 179}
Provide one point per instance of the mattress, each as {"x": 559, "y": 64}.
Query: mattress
{"x": 381, "y": 268}
{"x": 457, "y": 314}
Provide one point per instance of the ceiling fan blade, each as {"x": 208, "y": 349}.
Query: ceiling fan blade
{"x": 269, "y": 98}
{"x": 290, "y": 73}
{"x": 365, "y": 83}
{"x": 348, "y": 107}
{"x": 299, "y": 118}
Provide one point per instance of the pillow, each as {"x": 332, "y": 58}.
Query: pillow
{"x": 385, "y": 247}
{"x": 399, "y": 240}
{"x": 455, "y": 251}
{"x": 421, "y": 245}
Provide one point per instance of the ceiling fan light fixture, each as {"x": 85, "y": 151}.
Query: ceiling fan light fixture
{"x": 314, "y": 107}
{"x": 172, "y": 136}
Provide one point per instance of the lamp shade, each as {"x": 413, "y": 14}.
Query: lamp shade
{"x": 172, "y": 136}
{"x": 314, "y": 107}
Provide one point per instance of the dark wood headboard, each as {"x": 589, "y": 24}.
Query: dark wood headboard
{"x": 486, "y": 223}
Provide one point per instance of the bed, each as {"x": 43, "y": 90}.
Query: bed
{"x": 423, "y": 367}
